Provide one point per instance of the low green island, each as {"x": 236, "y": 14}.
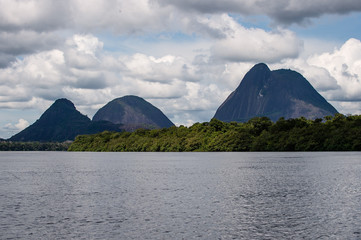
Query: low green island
{"x": 332, "y": 133}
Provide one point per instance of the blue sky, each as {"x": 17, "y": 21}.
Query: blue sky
{"x": 185, "y": 57}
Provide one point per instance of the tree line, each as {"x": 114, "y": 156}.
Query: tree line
{"x": 332, "y": 133}
{"x": 33, "y": 146}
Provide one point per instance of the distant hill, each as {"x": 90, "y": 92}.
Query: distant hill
{"x": 273, "y": 94}
{"x": 61, "y": 122}
{"x": 133, "y": 112}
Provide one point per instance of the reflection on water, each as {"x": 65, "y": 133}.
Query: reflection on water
{"x": 57, "y": 195}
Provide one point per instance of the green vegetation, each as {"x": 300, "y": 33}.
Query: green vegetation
{"x": 337, "y": 133}
{"x": 33, "y": 146}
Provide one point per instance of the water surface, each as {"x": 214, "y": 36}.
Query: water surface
{"x": 61, "y": 195}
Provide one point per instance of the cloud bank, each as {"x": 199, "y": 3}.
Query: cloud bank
{"x": 282, "y": 12}
{"x": 35, "y": 25}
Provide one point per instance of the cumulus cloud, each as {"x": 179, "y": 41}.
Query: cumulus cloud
{"x": 164, "y": 69}
{"x": 31, "y": 76}
{"x": 344, "y": 65}
{"x": 6, "y": 59}
{"x": 320, "y": 78}
{"x": 38, "y": 15}
{"x": 11, "y": 128}
{"x": 44, "y": 75}
{"x": 145, "y": 16}
{"x": 84, "y": 73}
{"x": 156, "y": 15}
{"x": 293, "y": 11}
{"x": 13, "y": 44}
{"x": 122, "y": 17}
{"x": 284, "y": 12}
{"x": 240, "y": 44}
{"x": 197, "y": 104}
{"x": 24, "y": 42}
{"x": 81, "y": 51}
{"x": 186, "y": 89}
{"x": 20, "y": 125}
{"x": 336, "y": 74}
{"x": 32, "y": 26}
{"x": 46, "y": 15}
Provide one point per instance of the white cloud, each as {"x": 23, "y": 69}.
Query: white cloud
{"x": 25, "y": 41}
{"x": 81, "y": 51}
{"x": 164, "y": 69}
{"x": 87, "y": 44}
{"x": 198, "y": 83}
{"x": 336, "y": 74}
{"x": 320, "y": 78}
{"x": 344, "y": 65}
{"x": 239, "y": 44}
{"x": 44, "y": 75}
{"x": 32, "y": 26}
{"x": 122, "y": 17}
{"x": 83, "y": 72}
{"x": 47, "y": 15}
{"x": 348, "y": 107}
{"x": 20, "y": 125}
{"x": 129, "y": 17}
{"x": 285, "y": 11}
{"x": 39, "y": 15}
{"x": 31, "y": 76}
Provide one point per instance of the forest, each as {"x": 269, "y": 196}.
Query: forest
{"x": 332, "y": 133}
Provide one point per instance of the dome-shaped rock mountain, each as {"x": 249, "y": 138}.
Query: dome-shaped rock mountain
{"x": 61, "y": 122}
{"x": 273, "y": 94}
{"x": 133, "y": 112}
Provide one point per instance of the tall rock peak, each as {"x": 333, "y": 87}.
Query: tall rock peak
{"x": 63, "y": 103}
{"x": 274, "y": 94}
{"x": 259, "y": 77}
{"x": 260, "y": 67}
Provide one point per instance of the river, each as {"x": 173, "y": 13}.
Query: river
{"x": 67, "y": 195}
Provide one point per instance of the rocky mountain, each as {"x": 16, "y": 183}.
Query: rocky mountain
{"x": 274, "y": 94}
{"x": 133, "y": 112}
{"x": 61, "y": 122}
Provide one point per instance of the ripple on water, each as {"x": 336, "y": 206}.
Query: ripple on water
{"x": 181, "y": 196}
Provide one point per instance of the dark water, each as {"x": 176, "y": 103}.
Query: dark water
{"x": 52, "y": 195}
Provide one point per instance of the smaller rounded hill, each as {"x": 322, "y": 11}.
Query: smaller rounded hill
{"x": 133, "y": 112}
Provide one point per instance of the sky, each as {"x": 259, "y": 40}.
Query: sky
{"x": 183, "y": 56}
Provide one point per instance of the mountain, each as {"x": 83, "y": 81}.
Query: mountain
{"x": 133, "y": 112}
{"x": 61, "y": 122}
{"x": 273, "y": 94}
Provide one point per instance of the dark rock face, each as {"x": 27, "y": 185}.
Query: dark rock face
{"x": 273, "y": 94}
{"x": 133, "y": 112}
{"x": 61, "y": 122}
